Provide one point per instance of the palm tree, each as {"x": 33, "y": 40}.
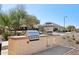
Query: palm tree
{"x": 4, "y": 21}
{"x": 5, "y": 25}
{"x": 16, "y": 16}
{"x": 41, "y": 28}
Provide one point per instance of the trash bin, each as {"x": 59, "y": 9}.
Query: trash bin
{"x": 0, "y": 45}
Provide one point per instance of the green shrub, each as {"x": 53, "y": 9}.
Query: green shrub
{"x": 5, "y": 36}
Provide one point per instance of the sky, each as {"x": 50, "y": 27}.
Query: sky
{"x": 52, "y": 12}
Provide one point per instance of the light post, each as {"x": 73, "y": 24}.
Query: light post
{"x": 64, "y": 20}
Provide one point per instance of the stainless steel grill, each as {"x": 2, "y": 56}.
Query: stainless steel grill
{"x": 33, "y": 35}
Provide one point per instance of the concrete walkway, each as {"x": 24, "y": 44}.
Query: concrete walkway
{"x": 58, "y": 50}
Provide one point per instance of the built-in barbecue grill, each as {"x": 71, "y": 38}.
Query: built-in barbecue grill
{"x": 33, "y": 35}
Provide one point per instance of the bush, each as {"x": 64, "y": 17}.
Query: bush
{"x": 70, "y": 40}
{"x": 63, "y": 37}
{"x": 55, "y": 29}
{"x": 10, "y": 33}
{"x": 77, "y": 42}
{"x": 5, "y": 36}
{"x": 68, "y": 37}
{"x": 20, "y": 33}
{"x": 73, "y": 38}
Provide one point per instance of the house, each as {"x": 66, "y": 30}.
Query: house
{"x": 49, "y": 27}
{"x": 77, "y": 30}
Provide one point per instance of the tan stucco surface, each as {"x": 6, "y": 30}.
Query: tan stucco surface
{"x": 18, "y": 45}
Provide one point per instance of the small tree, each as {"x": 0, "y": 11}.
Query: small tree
{"x": 30, "y": 21}
{"x": 17, "y": 15}
{"x": 40, "y": 27}
{"x": 71, "y": 28}
{"x": 55, "y": 29}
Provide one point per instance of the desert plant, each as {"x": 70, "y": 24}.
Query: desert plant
{"x": 71, "y": 28}
{"x": 77, "y": 42}
{"x": 73, "y": 38}
{"x": 5, "y": 36}
{"x": 67, "y": 36}
{"x": 73, "y": 35}
{"x": 70, "y": 40}
{"x": 63, "y": 37}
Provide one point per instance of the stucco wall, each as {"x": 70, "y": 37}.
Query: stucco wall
{"x": 18, "y": 44}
